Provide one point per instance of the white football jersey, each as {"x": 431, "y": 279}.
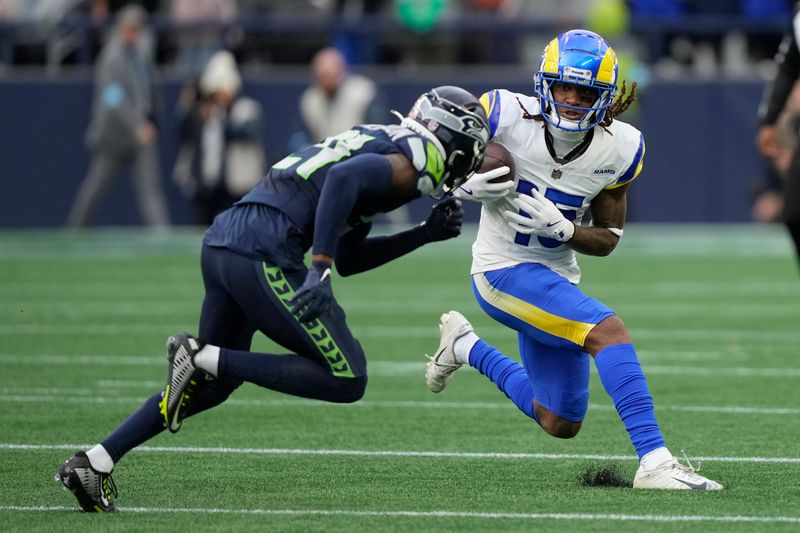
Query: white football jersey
{"x": 612, "y": 159}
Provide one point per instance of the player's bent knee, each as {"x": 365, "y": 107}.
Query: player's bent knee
{"x": 609, "y": 331}
{"x": 563, "y": 429}
{"x": 555, "y": 425}
{"x": 350, "y": 390}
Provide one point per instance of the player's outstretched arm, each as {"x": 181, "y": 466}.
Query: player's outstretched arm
{"x": 357, "y": 253}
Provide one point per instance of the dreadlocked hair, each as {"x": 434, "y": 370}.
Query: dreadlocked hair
{"x": 527, "y": 114}
{"x": 621, "y": 103}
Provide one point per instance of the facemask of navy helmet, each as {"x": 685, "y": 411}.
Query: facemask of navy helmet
{"x": 456, "y": 122}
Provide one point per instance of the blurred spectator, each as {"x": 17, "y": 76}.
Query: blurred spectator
{"x": 122, "y": 133}
{"x": 38, "y": 36}
{"x": 776, "y": 99}
{"x": 102, "y": 12}
{"x": 335, "y": 101}
{"x": 202, "y": 30}
{"x": 221, "y": 155}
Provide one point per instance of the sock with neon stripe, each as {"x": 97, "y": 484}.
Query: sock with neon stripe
{"x": 623, "y": 380}
{"x": 509, "y": 376}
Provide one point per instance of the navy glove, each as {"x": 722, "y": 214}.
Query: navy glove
{"x": 445, "y": 219}
{"x": 315, "y": 296}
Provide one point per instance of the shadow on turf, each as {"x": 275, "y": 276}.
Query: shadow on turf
{"x": 603, "y": 475}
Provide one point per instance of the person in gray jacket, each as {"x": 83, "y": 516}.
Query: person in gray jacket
{"x": 336, "y": 100}
{"x": 122, "y": 133}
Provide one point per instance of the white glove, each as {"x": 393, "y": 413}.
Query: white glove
{"x": 545, "y": 218}
{"x": 478, "y": 189}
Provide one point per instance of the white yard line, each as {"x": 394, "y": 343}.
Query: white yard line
{"x": 609, "y": 517}
{"x": 56, "y": 312}
{"x": 401, "y": 369}
{"x": 789, "y": 338}
{"x": 90, "y": 396}
{"x": 156, "y": 360}
{"x": 394, "y": 453}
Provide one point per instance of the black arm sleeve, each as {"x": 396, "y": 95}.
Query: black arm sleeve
{"x": 362, "y": 176}
{"x": 788, "y": 61}
{"x": 357, "y": 254}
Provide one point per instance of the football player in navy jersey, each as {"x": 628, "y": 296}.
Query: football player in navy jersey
{"x": 321, "y": 198}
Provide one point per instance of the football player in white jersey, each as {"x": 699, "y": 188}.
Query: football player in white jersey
{"x": 572, "y": 159}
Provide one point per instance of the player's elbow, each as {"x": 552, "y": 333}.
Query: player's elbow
{"x": 606, "y": 250}
{"x": 603, "y": 247}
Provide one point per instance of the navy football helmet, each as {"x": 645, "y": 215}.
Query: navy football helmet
{"x": 457, "y": 120}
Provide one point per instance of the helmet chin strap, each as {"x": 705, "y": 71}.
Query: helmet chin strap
{"x": 566, "y": 125}
{"x": 568, "y": 134}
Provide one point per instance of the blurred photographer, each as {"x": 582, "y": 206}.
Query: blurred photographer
{"x": 221, "y": 154}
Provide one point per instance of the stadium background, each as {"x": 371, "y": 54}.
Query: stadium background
{"x": 701, "y": 67}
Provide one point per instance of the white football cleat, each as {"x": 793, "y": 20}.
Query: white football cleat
{"x": 441, "y": 366}
{"x": 673, "y": 475}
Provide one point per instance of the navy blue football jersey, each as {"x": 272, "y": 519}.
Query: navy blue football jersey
{"x": 288, "y": 195}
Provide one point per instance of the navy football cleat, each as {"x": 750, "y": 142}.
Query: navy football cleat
{"x": 182, "y": 378}
{"x": 94, "y": 490}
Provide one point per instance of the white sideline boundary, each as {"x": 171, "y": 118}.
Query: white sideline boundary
{"x": 430, "y": 514}
{"x": 392, "y": 453}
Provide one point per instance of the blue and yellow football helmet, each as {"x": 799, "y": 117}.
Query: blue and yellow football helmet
{"x": 578, "y": 57}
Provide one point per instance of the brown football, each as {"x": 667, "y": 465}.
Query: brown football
{"x": 496, "y": 156}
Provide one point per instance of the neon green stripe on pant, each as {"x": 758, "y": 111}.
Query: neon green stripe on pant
{"x": 316, "y": 330}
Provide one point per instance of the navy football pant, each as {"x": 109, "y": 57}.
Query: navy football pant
{"x": 242, "y": 296}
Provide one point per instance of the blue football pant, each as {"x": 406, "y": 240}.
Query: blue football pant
{"x": 552, "y": 318}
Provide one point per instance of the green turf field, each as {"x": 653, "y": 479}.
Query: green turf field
{"x": 714, "y": 311}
